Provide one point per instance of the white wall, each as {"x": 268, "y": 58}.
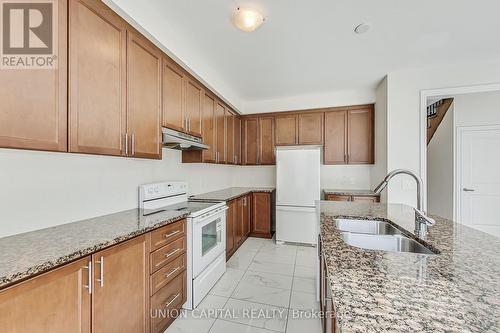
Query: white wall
{"x": 43, "y": 189}
{"x": 403, "y": 114}
{"x": 440, "y": 169}
{"x": 477, "y": 109}
{"x": 310, "y": 101}
{"x": 380, "y": 168}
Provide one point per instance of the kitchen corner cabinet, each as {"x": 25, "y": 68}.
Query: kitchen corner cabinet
{"x": 250, "y": 150}
{"x": 54, "y": 302}
{"x": 143, "y": 97}
{"x": 97, "y": 79}
{"x": 237, "y": 139}
{"x": 229, "y": 137}
{"x": 349, "y": 136}
{"x": 266, "y": 141}
{"x": 261, "y": 225}
{"x": 33, "y": 103}
{"x": 238, "y": 220}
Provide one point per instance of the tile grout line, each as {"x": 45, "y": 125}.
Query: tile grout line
{"x": 291, "y": 290}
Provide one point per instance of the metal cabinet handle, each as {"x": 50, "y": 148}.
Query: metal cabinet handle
{"x": 172, "y": 252}
{"x": 171, "y": 234}
{"x": 89, "y": 286}
{"x": 468, "y": 189}
{"x": 171, "y": 301}
{"x": 101, "y": 272}
{"x": 126, "y": 144}
{"x": 172, "y": 272}
{"x": 133, "y": 144}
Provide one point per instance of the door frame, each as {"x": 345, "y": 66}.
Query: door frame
{"x": 457, "y": 193}
{"x": 449, "y": 91}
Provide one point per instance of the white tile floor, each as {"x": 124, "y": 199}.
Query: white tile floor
{"x": 263, "y": 289}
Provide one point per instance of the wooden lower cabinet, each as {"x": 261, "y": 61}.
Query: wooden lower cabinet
{"x": 54, "y": 302}
{"x": 230, "y": 222}
{"x": 261, "y": 225}
{"x": 247, "y": 215}
{"x": 238, "y": 223}
{"x": 120, "y": 297}
{"x": 328, "y": 321}
{"x": 355, "y": 198}
{"x": 112, "y": 290}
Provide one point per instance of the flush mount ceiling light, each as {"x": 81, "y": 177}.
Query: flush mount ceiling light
{"x": 362, "y": 28}
{"x": 247, "y": 19}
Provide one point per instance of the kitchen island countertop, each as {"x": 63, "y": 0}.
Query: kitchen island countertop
{"x": 457, "y": 290}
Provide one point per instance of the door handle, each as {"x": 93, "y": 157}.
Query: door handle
{"x": 89, "y": 286}
{"x": 468, "y": 189}
{"x": 133, "y": 144}
{"x": 173, "y": 299}
{"x": 101, "y": 273}
{"x": 126, "y": 144}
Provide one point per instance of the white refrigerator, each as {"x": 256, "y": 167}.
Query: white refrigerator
{"x": 297, "y": 189}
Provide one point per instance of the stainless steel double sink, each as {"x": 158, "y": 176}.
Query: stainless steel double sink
{"x": 377, "y": 235}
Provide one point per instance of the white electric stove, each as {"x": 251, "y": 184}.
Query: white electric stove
{"x": 206, "y": 234}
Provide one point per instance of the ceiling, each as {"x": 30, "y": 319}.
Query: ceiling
{"x": 309, "y": 46}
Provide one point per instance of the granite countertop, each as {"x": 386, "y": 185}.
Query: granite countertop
{"x": 369, "y": 193}
{"x": 35, "y": 252}
{"x": 229, "y": 193}
{"x": 457, "y": 290}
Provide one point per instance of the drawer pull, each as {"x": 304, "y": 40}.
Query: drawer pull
{"x": 173, "y": 299}
{"x": 172, "y": 272}
{"x": 172, "y": 252}
{"x": 172, "y": 233}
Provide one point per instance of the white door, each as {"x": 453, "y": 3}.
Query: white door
{"x": 479, "y": 178}
{"x": 297, "y": 176}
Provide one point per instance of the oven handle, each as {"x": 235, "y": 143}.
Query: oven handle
{"x": 219, "y": 236}
{"x": 212, "y": 215}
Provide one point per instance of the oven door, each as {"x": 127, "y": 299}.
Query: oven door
{"x": 209, "y": 240}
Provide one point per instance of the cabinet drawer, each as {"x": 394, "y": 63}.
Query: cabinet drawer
{"x": 167, "y": 273}
{"x": 166, "y": 254}
{"x": 166, "y": 302}
{"x": 166, "y": 234}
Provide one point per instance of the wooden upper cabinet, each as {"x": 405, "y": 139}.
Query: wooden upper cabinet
{"x": 360, "y": 148}
{"x": 266, "y": 141}
{"x": 250, "y": 151}
{"x": 54, "y": 302}
{"x": 33, "y": 103}
{"x": 208, "y": 128}
{"x": 335, "y": 149}
{"x": 194, "y": 105}
{"x": 173, "y": 95}
{"x": 286, "y": 130}
{"x": 120, "y": 288}
{"x": 229, "y": 137}
{"x": 97, "y": 79}
{"x": 237, "y": 139}
{"x": 143, "y": 97}
{"x": 220, "y": 116}
{"x": 310, "y": 128}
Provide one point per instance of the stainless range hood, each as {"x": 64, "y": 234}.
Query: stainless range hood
{"x": 177, "y": 140}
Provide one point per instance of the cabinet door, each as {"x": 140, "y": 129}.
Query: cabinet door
{"x": 194, "y": 102}
{"x": 266, "y": 141}
{"x": 335, "y": 149}
{"x": 54, "y": 302}
{"x": 230, "y": 217}
{"x": 311, "y": 128}
{"x": 250, "y": 137}
{"x": 209, "y": 133}
{"x": 335, "y": 197}
{"x": 173, "y": 96}
{"x": 261, "y": 214}
{"x": 229, "y": 137}
{"x": 286, "y": 130}
{"x": 238, "y": 222}
{"x": 97, "y": 79}
{"x": 237, "y": 139}
{"x": 221, "y": 132}
{"x": 360, "y": 148}
{"x": 143, "y": 97}
{"x": 119, "y": 301}
{"x": 33, "y": 103}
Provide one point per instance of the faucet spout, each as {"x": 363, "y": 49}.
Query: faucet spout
{"x": 393, "y": 173}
